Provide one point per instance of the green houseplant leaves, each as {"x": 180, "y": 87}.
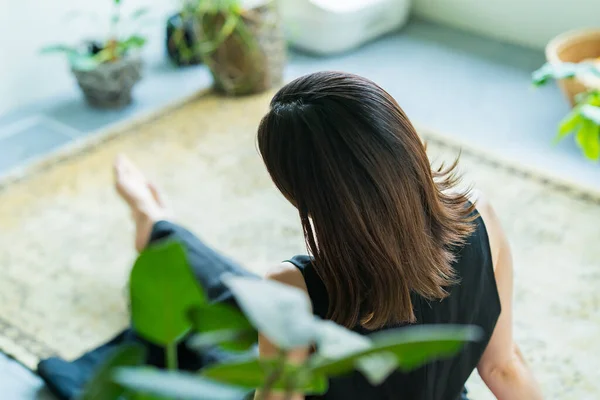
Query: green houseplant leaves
{"x": 162, "y": 290}
{"x": 252, "y": 373}
{"x": 584, "y": 120}
{"x": 166, "y": 304}
{"x": 281, "y": 313}
{"x": 411, "y": 346}
{"x": 223, "y": 325}
{"x": 171, "y": 385}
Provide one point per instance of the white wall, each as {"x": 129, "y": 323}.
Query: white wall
{"x": 27, "y": 25}
{"x": 528, "y": 22}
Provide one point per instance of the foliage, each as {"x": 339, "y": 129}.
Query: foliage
{"x": 90, "y": 55}
{"x": 167, "y": 303}
{"x": 213, "y": 22}
{"x": 584, "y": 120}
{"x": 224, "y": 38}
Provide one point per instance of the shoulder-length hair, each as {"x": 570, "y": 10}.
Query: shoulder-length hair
{"x": 378, "y": 221}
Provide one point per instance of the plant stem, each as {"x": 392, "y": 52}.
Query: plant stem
{"x": 273, "y": 377}
{"x": 289, "y": 388}
{"x": 171, "y": 355}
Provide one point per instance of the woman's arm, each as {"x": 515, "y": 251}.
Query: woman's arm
{"x": 290, "y": 275}
{"x": 502, "y": 366}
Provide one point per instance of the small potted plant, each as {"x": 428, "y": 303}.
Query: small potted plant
{"x": 584, "y": 119}
{"x": 107, "y": 70}
{"x": 243, "y": 47}
{"x": 578, "y": 46}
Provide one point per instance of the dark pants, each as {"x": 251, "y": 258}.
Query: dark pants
{"x": 66, "y": 379}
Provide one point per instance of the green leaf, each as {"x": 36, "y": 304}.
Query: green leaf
{"x": 58, "y": 48}
{"x": 591, "y": 112}
{"x": 175, "y": 385}
{"x": 280, "y": 312}
{"x": 253, "y": 373}
{"x": 82, "y": 62}
{"x": 568, "y": 124}
{"x": 238, "y": 332}
{"x": 412, "y": 346}
{"x": 335, "y": 341}
{"x": 134, "y": 41}
{"x": 162, "y": 289}
{"x": 377, "y": 367}
{"x": 588, "y": 139}
{"x": 228, "y": 339}
{"x": 561, "y": 70}
{"x": 101, "y": 386}
{"x": 140, "y": 12}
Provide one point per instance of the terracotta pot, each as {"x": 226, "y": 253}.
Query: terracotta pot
{"x": 574, "y": 46}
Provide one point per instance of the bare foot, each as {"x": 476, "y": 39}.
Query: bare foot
{"x": 147, "y": 206}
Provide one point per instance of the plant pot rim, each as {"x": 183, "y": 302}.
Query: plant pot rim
{"x": 557, "y": 43}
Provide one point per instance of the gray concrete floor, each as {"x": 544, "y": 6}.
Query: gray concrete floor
{"x": 471, "y": 88}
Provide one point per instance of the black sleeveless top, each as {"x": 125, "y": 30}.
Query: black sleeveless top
{"x": 473, "y": 301}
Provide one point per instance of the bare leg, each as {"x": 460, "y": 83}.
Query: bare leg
{"x": 147, "y": 206}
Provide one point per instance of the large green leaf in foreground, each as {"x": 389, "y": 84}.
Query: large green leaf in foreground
{"x": 163, "y": 289}
{"x": 253, "y": 373}
{"x": 175, "y": 385}
{"x": 411, "y": 347}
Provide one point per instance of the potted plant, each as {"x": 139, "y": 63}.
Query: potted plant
{"x": 243, "y": 47}
{"x": 107, "y": 70}
{"x": 575, "y": 47}
{"x": 168, "y": 307}
{"x": 584, "y": 119}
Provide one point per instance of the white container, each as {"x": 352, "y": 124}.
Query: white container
{"x": 334, "y": 26}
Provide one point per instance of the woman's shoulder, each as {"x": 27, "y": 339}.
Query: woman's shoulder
{"x": 288, "y": 274}
{"x": 495, "y": 233}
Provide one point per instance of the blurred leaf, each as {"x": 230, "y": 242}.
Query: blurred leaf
{"x": 82, "y": 62}
{"x": 103, "y": 56}
{"x": 228, "y": 339}
{"x": 253, "y": 373}
{"x": 140, "y": 12}
{"x": 561, "y": 71}
{"x": 334, "y": 341}
{"x": 134, "y": 41}
{"x": 377, "y": 367}
{"x": 222, "y": 318}
{"x": 412, "y": 346}
{"x": 144, "y": 396}
{"x": 588, "y": 139}
{"x": 162, "y": 289}
{"x": 593, "y": 98}
{"x": 117, "y": 1}
{"x": 591, "y": 112}
{"x": 58, "y": 48}
{"x": 280, "y": 312}
{"x": 568, "y": 124}
{"x": 101, "y": 386}
{"x": 175, "y": 385}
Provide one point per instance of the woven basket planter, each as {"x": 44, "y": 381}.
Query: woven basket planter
{"x": 110, "y": 84}
{"x": 241, "y": 67}
{"x": 575, "y": 46}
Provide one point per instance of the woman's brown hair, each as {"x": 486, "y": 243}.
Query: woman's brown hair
{"x": 378, "y": 221}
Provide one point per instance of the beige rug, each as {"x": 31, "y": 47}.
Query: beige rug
{"x": 67, "y": 239}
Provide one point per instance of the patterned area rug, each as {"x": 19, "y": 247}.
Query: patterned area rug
{"x": 67, "y": 239}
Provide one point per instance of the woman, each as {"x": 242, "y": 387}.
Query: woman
{"x": 392, "y": 242}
